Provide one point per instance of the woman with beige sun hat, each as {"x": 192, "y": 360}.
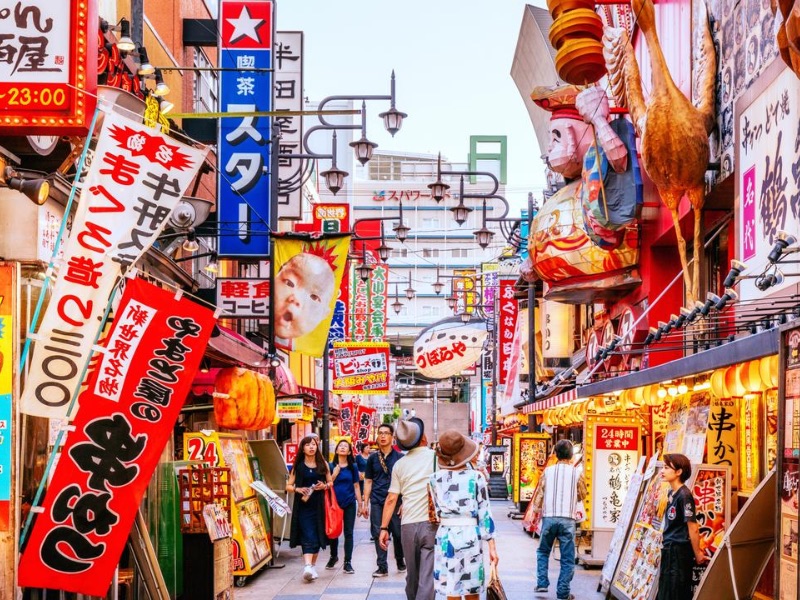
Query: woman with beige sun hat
{"x": 462, "y": 503}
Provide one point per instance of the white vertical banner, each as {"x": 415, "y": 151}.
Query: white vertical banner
{"x": 137, "y": 177}
{"x": 288, "y": 51}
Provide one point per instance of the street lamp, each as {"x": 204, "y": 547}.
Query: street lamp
{"x": 484, "y": 236}
{"x": 410, "y": 291}
{"x": 392, "y": 118}
{"x": 461, "y": 211}
{"x": 466, "y": 317}
{"x": 364, "y": 269}
{"x": 397, "y": 305}
{"x": 451, "y": 302}
{"x": 438, "y": 188}
{"x": 401, "y": 230}
{"x": 438, "y": 285}
{"x": 363, "y": 148}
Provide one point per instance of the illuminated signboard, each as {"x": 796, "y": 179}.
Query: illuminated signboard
{"x": 48, "y": 67}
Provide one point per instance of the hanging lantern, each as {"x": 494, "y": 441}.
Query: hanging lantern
{"x": 768, "y": 369}
{"x": 651, "y": 395}
{"x": 750, "y": 376}
{"x": 733, "y": 385}
{"x": 557, "y": 330}
{"x": 638, "y": 396}
{"x": 718, "y": 383}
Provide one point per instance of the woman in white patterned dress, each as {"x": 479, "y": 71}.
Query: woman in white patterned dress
{"x": 462, "y": 503}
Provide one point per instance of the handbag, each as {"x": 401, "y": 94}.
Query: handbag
{"x": 433, "y": 508}
{"x": 495, "y": 591}
{"x": 334, "y": 515}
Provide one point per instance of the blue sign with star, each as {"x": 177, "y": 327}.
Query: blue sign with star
{"x": 243, "y": 198}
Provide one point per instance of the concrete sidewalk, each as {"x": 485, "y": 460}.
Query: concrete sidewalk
{"x": 517, "y": 552}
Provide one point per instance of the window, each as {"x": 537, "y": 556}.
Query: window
{"x": 430, "y": 223}
{"x": 205, "y": 84}
{"x": 460, "y": 253}
{"x": 431, "y": 311}
{"x": 399, "y": 252}
{"x": 430, "y": 252}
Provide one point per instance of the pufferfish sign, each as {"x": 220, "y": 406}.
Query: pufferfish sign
{"x": 449, "y": 346}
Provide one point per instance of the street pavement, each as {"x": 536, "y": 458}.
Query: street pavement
{"x": 517, "y": 567}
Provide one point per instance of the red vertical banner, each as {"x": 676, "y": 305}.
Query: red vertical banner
{"x": 126, "y": 415}
{"x": 363, "y": 424}
{"x": 346, "y": 417}
{"x": 506, "y": 322}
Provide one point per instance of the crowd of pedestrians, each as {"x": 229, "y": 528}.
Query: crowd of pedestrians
{"x": 430, "y": 502}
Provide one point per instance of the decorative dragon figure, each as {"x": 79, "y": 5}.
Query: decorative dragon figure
{"x": 673, "y": 132}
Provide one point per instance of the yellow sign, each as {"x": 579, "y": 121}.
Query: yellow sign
{"x": 529, "y": 459}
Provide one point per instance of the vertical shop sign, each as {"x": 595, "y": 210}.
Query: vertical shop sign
{"x": 48, "y": 79}
{"x": 126, "y": 416}
{"x": 614, "y": 460}
{"x": 243, "y": 194}
{"x": 769, "y": 159}
{"x": 377, "y": 303}
{"x": 722, "y": 442}
{"x": 7, "y": 361}
{"x": 771, "y": 418}
{"x": 530, "y": 457}
{"x": 464, "y": 290}
{"x": 137, "y": 178}
{"x": 490, "y": 286}
{"x": 346, "y": 419}
{"x": 506, "y": 326}
{"x": 289, "y": 97}
{"x": 711, "y": 488}
{"x": 362, "y": 427}
{"x": 359, "y": 300}
{"x": 243, "y": 297}
{"x": 749, "y": 442}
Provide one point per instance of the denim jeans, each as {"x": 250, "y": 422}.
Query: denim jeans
{"x": 375, "y": 516}
{"x": 563, "y": 529}
{"x": 349, "y": 523}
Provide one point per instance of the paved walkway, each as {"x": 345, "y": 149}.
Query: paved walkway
{"x": 517, "y": 552}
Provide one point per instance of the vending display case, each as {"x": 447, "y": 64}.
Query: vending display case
{"x": 251, "y": 544}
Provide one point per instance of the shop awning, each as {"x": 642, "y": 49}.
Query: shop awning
{"x": 284, "y": 382}
{"x": 765, "y": 343}
{"x": 230, "y": 348}
{"x": 550, "y": 402}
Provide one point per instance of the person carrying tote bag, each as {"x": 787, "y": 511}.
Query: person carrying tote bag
{"x": 348, "y": 496}
{"x": 462, "y": 497}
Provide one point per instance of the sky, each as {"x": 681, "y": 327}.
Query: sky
{"x": 452, "y": 59}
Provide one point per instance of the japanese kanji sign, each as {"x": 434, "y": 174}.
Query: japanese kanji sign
{"x": 48, "y": 73}
{"x": 137, "y": 178}
{"x": 614, "y": 459}
{"x": 126, "y": 416}
{"x": 243, "y": 297}
{"x": 368, "y": 301}
{"x": 346, "y": 416}
{"x": 243, "y": 200}
{"x": 289, "y": 96}
{"x": 362, "y": 426}
{"x": 508, "y": 309}
{"x": 360, "y": 368}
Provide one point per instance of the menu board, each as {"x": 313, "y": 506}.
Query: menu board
{"x": 711, "y": 488}
{"x": 530, "y": 457}
{"x": 789, "y": 467}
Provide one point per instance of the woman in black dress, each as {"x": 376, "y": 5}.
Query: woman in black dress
{"x": 309, "y": 479}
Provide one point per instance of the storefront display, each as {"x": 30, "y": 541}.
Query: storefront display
{"x": 789, "y": 467}
{"x": 529, "y": 453}
{"x": 251, "y": 546}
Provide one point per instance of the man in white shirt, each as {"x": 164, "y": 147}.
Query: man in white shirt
{"x": 410, "y": 478}
{"x": 560, "y": 488}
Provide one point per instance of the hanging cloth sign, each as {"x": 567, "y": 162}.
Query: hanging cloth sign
{"x": 152, "y": 353}
{"x": 137, "y": 178}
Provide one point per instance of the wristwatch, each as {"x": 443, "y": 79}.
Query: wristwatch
{"x": 384, "y": 529}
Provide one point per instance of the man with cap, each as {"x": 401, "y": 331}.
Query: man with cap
{"x": 377, "y": 477}
{"x": 410, "y": 479}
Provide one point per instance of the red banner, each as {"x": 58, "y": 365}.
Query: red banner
{"x": 363, "y": 424}
{"x": 126, "y": 416}
{"x": 346, "y": 419}
{"x": 506, "y": 324}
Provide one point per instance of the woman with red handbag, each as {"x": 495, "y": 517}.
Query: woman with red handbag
{"x": 348, "y": 494}
{"x": 309, "y": 479}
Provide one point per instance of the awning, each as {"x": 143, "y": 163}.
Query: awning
{"x": 759, "y": 345}
{"x": 284, "y": 382}
{"x": 550, "y": 402}
{"x": 230, "y": 348}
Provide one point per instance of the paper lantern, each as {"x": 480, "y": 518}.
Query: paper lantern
{"x": 580, "y": 61}
{"x": 576, "y": 24}
{"x": 243, "y": 399}
{"x": 733, "y": 385}
{"x": 557, "y": 329}
{"x": 768, "y": 369}
{"x": 718, "y": 383}
{"x": 750, "y": 376}
{"x": 651, "y": 395}
{"x": 638, "y": 396}
{"x": 448, "y": 347}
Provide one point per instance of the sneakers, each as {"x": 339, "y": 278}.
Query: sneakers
{"x": 380, "y": 572}
{"x": 401, "y": 566}
{"x": 348, "y": 568}
{"x": 308, "y": 573}
{"x": 314, "y": 574}
{"x": 541, "y": 589}
{"x": 331, "y": 563}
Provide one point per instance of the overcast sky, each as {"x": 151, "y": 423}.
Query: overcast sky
{"x": 452, "y": 59}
